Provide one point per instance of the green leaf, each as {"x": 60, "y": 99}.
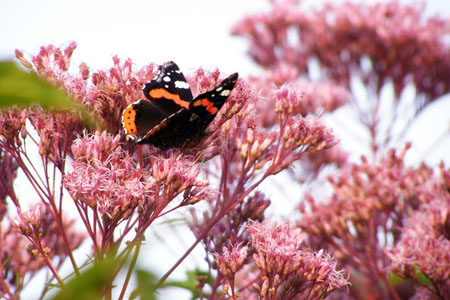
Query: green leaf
{"x": 146, "y": 286}
{"x": 191, "y": 282}
{"x": 395, "y": 279}
{"x": 18, "y": 87}
{"x": 423, "y": 279}
{"x": 21, "y": 88}
{"x": 91, "y": 284}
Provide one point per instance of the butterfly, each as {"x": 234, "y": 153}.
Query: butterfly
{"x": 170, "y": 117}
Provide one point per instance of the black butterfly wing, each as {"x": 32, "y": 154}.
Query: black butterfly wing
{"x": 141, "y": 117}
{"x": 169, "y": 90}
{"x": 207, "y": 105}
{"x": 168, "y": 93}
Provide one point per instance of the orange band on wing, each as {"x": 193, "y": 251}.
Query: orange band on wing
{"x": 162, "y": 93}
{"x": 209, "y": 105}
{"x": 128, "y": 120}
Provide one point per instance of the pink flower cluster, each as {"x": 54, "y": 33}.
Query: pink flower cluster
{"x": 105, "y": 93}
{"x": 56, "y": 132}
{"x": 45, "y": 246}
{"x": 172, "y": 176}
{"x": 12, "y": 127}
{"x": 52, "y": 64}
{"x": 104, "y": 178}
{"x": 113, "y": 90}
{"x": 424, "y": 246}
{"x": 17, "y": 259}
{"x": 287, "y": 269}
{"x": 108, "y": 182}
{"x": 38, "y": 226}
{"x": 371, "y": 202}
{"x": 8, "y": 172}
{"x": 313, "y": 97}
{"x": 399, "y": 44}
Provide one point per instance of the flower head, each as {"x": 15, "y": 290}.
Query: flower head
{"x": 12, "y": 126}
{"x": 230, "y": 261}
{"x": 105, "y": 178}
{"x": 112, "y": 91}
{"x": 17, "y": 257}
{"x": 8, "y": 172}
{"x": 340, "y": 36}
{"x": 173, "y": 175}
{"x": 287, "y": 267}
{"x": 39, "y": 227}
{"x": 57, "y": 131}
{"x": 95, "y": 147}
{"x": 424, "y": 246}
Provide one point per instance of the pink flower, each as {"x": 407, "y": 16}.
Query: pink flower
{"x": 340, "y": 36}
{"x": 230, "y": 261}
{"x": 12, "y": 127}
{"x": 29, "y": 223}
{"x": 424, "y": 246}
{"x": 112, "y": 91}
{"x": 40, "y": 228}
{"x": 18, "y": 261}
{"x": 104, "y": 178}
{"x": 171, "y": 176}
{"x": 379, "y": 195}
{"x": 288, "y": 269}
{"x": 95, "y": 147}
{"x": 8, "y": 173}
{"x": 56, "y": 132}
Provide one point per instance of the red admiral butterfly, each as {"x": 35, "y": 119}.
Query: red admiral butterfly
{"x": 171, "y": 118}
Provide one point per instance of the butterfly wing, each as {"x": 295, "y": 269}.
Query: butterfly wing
{"x": 169, "y": 90}
{"x": 141, "y": 117}
{"x": 167, "y": 94}
{"x": 208, "y": 104}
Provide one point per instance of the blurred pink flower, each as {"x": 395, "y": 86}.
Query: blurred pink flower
{"x": 8, "y": 173}
{"x": 17, "y": 259}
{"x": 12, "y": 127}
{"x": 310, "y": 97}
{"x": 424, "y": 246}
{"x": 342, "y": 36}
{"x": 38, "y": 226}
{"x": 364, "y": 215}
{"x": 52, "y": 64}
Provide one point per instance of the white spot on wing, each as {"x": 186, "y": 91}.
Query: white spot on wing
{"x": 181, "y": 84}
{"x": 166, "y": 78}
{"x": 219, "y": 89}
{"x": 225, "y": 93}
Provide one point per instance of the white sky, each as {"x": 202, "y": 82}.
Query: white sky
{"x": 192, "y": 33}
